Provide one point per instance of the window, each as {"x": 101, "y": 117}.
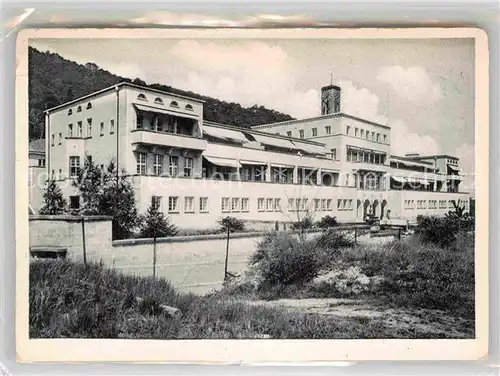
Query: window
{"x": 277, "y": 204}
{"x": 52, "y": 174}
{"x": 334, "y": 154}
{"x": 329, "y": 204}
{"x": 323, "y": 204}
{"x": 138, "y": 120}
{"x": 367, "y": 135}
{"x": 112, "y": 126}
{"x": 361, "y": 133}
{"x": 74, "y": 202}
{"x": 203, "y": 204}
{"x": 378, "y": 137}
{"x": 101, "y": 129}
{"x": 173, "y": 204}
{"x": 188, "y": 167}
{"x": 316, "y": 204}
{"x": 289, "y": 134}
{"x": 356, "y": 132}
{"x": 189, "y": 107}
{"x": 339, "y": 204}
{"x": 385, "y": 138}
{"x": 304, "y": 203}
{"x": 141, "y": 163}
{"x": 225, "y": 204}
{"x": 328, "y": 129}
{"x": 315, "y": 132}
{"x": 344, "y": 204}
{"x": 79, "y": 109}
{"x": 89, "y": 127}
{"x": 301, "y": 133}
{"x": 60, "y": 174}
{"x": 260, "y": 204}
{"x": 173, "y": 165}
{"x": 41, "y": 162}
{"x": 347, "y": 129}
{"x": 70, "y": 112}
{"x": 156, "y": 202}
{"x": 298, "y": 204}
{"x": 269, "y": 204}
{"x": 74, "y": 166}
{"x": 60, "y": 139}
{"x": 174, "y": 104}
{"x": 70, "y": 130}
{"x": 189, "y": 204}
{"x": 158, "y": 164}
{"x": 235, "y": 204}
{"x": 244, "y": 204}
{"x": 347, "y": 179}
{"x": 142, "y": 97}
{"x": 52, "y": 139}
{"x": 158, "y": 100}
{"x": 89, "y": 106}
{"x": 80, "y": 129}
{"x": 349, "y": 205}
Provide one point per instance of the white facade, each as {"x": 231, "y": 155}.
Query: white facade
{"x": 198, "y": 171}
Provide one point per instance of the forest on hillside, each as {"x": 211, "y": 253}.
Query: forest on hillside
{"x": 54, "y": 80}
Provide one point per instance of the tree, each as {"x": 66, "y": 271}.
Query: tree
{"x": 229, "y": 225}
{"x": 104, "y": 192}
{"x": 54, "y": 203}
{"x": 155, "y": 225}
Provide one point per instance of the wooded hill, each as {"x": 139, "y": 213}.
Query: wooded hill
{"x": 54, "y": 80}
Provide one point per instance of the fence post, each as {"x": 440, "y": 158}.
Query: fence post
{"x": 154, "y": 256}
{"x": 399, "y": 233}
{"x": 355, "y": 234}
{"x": 83, "y": 242}
{"x": 227, "y": 253}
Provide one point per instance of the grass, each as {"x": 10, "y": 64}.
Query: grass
{"x": 69, "y": 300}
{"x": 412, "y": 274}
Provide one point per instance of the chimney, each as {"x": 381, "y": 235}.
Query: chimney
{"x": 330, "y": 99}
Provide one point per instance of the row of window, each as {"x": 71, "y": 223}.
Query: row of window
{"x": 365, "y": 156}
{"x": 79, "y": 132}
{"x": 367, "y": 135}
{"x": 158, "y": 100}
{"x": 432, "y": 204}
{"x": 174, "y": 204}
{"x": 79, "y": 109}
{"x": 158, "y": 165}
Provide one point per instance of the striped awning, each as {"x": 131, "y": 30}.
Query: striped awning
{"x": 157, "y": 110}
{"x": 225, "y": 134}
{"x": 272, "y": 141}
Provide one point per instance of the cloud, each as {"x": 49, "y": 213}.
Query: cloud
{"x": 361, "y": 102}
{"x": 404, "y": 141}
{"x": 413, "y": 83}
{"x": 247, "y": 73}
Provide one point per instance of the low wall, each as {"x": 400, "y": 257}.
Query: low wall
{"x": 66, "y": 231}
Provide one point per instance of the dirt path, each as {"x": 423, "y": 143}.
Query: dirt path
{"x": 424, "y": 320}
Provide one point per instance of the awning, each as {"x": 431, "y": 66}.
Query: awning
{"x": 453, "y": 168}
{"x": 224, "y": 162}
{"x": 281, "y": 165}
{"x": 415, "y": 164}
{"x": 278, "y": 142}
{"x": 398, "y": 179}
{"x": 252, "y": 163}
{"x": 225, "y": 134}
{"x": 309, "y": 148}
{"x": 162, "y": 111}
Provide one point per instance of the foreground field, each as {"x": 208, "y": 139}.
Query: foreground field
{"x": 69, "y": 300}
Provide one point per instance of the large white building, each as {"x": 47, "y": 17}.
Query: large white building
{"x": 197, "y": 171}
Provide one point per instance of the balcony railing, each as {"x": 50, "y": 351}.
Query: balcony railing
{"x": 180, "y": 141}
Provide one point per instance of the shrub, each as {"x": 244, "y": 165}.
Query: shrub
{"x": 231, "y": 223}
{"x": 327, "y": 222}
{"x": 284, "y": 259}
{"x": 303, "y": 224}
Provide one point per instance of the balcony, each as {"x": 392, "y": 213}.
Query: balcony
{"x": 174, "y": 140}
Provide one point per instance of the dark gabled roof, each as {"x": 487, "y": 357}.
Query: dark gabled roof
{"x": 37, "y": 146}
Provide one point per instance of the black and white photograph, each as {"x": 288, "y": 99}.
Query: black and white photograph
{"x": 252, "y": 188}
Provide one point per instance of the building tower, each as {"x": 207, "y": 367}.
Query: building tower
{"x": 330, "y": 99}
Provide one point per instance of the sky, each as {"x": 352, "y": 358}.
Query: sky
{"x": 423, "y": 89}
